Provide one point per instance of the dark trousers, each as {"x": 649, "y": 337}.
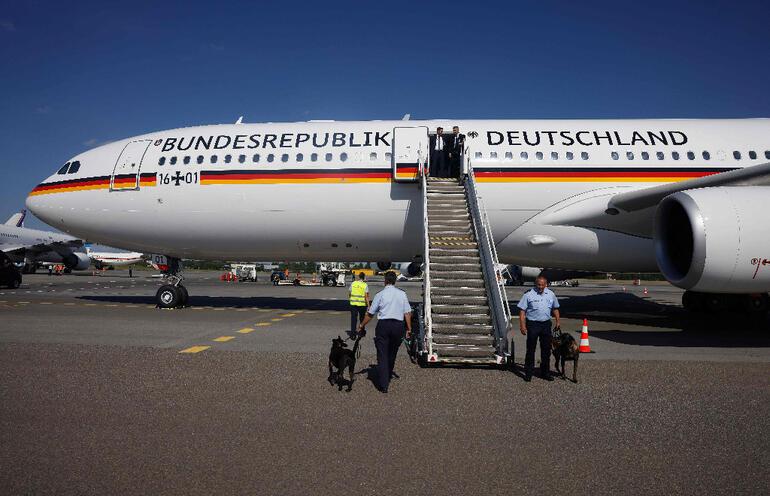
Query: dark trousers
{"x": 438, "y": 164}
{"x": 387, "y": 339}
{"x": 356, "y": 316}
{"x": 538, "y": 331}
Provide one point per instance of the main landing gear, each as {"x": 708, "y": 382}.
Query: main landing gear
{"x": 756, "y": 304}
{"x": 172, "y": 294}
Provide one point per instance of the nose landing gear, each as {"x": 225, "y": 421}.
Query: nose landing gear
{"x": 172, "y": 294}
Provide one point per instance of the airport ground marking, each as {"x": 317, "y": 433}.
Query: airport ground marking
{"x": 223, "y": 339}
{"x": 46, "y": 303}
{"x": 276, "y": 320}
{"x": 195, "y": 349}
{"x": 263, "y": 310}
{"x": 263, "y": 324}
{"x": 246, "y": 330}
{"x": 288, "y": 315}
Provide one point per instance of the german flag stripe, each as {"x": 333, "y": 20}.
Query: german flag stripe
{"x": 606, "y": 174}
{"x": 294, "y": 176}
{"x": 93, "y": 183}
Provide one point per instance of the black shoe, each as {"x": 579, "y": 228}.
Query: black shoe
{"x": 528, "y": 378}
{"x": 384, "y": 390}
{"x": 393, "y": 375}
{"x": 548, "y": 377}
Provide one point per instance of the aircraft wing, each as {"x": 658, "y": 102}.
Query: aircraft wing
{"x": 63, "y": 248}
{"x": 633, "y": 212}
{"x": 758, "y": 175}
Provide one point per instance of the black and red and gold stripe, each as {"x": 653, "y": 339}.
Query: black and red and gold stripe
{"x": 295, "y": 176}
{"x": 592, "y": 174}
{"x": 123, "y": 181}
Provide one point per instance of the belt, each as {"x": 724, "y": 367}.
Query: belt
{"x": 390, "y": 320}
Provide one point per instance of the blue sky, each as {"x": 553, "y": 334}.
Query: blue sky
{"x": 77, "y": 74}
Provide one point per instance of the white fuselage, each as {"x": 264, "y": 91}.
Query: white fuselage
{"x": 324, "y": 190}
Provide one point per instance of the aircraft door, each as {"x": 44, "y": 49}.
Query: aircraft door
{"x": 125, "y": 176}
{"x": 410, "y": 152}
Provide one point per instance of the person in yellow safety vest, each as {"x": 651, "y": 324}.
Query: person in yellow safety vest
{"x": 359, "y": 302}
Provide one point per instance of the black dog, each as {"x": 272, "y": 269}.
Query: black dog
{"x": 341, "y": 358}
{"x": 565, "y": 348}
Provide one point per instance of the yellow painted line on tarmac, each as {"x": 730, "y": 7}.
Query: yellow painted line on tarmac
{"x": 241, "y": 309}
{"x": 23, "y": 303}
{"x": 263, "y": 310}
{"x": 46, "y": 303}
{"x": 262, "y": 324}
{"x": 276, "y": 320}
{"x": 220, "y": 309}
{"x": 198, "y": 308}
{"x": 223, "y": 339}
{"x": 111, "y": 305}
{"x": 288, "y": 315}
{"x": 69, "y": 304}
{"x": 195, "y": 349}
{"x": 246, "y": 330}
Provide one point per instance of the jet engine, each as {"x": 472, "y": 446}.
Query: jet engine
{"x": 382, "y": 266}
{"x": 715, "y": 240}
{"x": 410, "y": 269}
{"x": 76, "y": 261}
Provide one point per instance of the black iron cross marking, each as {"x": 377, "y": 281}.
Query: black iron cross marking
{"x": 177, "y": 178}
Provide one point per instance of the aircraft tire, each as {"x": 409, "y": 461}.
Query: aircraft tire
{"x": 692, "y": 301}
{"x": 756, "y": 304}
{"x": 168, "y": 296}
{"x": 331, "y": 282}
{"x": 185, "y": 296}
{"x": 15, "y": 283}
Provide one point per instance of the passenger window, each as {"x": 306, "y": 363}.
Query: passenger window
{"x": 478, "y": 155}
{"x": 214, "y": 159}
{"x": 314, "y": 157}
{"x": 300, "y": 157}
{"x": 675, "y": 155}
{"x": 524, "y": 155}
{"x": 753, "y": 155}
{"x": 255, "y": 158}
{"x": 373, "y": 156}
{"x": 706, "y": 156}
{"x": 172, "y": 161}
{"x": 767, "y": 154}
{"x": 660, "y": 155}
{"x": 584, "y": 155}
{"x": 64, "y": 168}
{"x": 161, "y": 160}
{"x": 228, "y": 158}
{"x": 492, "y": 154}
{"x": 539, "y": 155}
{"x": 508, "y": 156}
{"x": 285, "y": 157}
{"x": 186, "y": 159}
{"x": 569, "y": 155}
{"x": 74, "y": 167}
{"x": 615, "y": 155}
{"x": 737, "y": 155}
{"x": 630, "y": 155}
{"x": 270, "y": 157}
{"x": 554, "y": 156}
{"x": 645, "y": 156}
{"x": 343, "y": 156}
{"x": 388, "y": 156}
{"x": 690, "y": 155}
{"x": 199, "y": 159}
{"x": 328, "y": 157}
{"x": 242, "y": 159}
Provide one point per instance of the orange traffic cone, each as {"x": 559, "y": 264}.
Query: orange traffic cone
{"x": 645, "y": 291}
{"x": 584, "y": 346}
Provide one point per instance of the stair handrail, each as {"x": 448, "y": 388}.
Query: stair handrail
{"x": 428, "y": 337}
{"x": 498, "y": 300}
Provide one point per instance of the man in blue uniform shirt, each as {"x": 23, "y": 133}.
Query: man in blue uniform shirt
{"x": 535, "y": 309}
{"x": 394, "y": 314}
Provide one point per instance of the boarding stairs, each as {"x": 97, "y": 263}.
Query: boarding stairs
{"x": 466, "y": 313}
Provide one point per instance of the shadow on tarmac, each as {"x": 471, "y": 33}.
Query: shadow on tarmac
{"x": 231, "y": 302}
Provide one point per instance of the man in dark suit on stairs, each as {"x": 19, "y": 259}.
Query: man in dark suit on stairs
{"x": 438, "y": 154}
{"x": 456, "y": 143}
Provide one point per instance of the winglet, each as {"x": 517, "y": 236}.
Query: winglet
{"x": 240, "y": 120}
{"x": 406, "y": 117}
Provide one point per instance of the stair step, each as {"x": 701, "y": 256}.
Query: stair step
{"x": 436, "y": 217}
{"x": 450, "y": 221}
{"x": 455, "y": 266}
{"x": 449, "y": 291}
{"x": 441, "y": 251}
{"x": 454, "y": 318}
{"x": 473, "y": 300}
{"x": 460, "y": 309}
{"x": 480, "y": 340}
{"x": 484, "y": 329}
{"x": 459, "y": 350}
{"x": 437, "y": 283}
{"x": 456, "y": 274}
{"x": 458, "y": 259}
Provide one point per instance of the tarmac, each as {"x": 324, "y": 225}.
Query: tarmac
{"x": 102, "y": 393}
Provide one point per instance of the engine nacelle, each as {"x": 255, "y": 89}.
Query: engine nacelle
{"x": 381, "y": 266}
{"x": 715, "y": 240}
{"x": 411, "y": 269}
{"x": 77, "y": 261}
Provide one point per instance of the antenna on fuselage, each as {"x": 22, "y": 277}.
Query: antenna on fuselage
{"x": 406, "y": 117}
{"x": 240, "y": 120}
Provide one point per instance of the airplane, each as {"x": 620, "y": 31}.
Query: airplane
{"x": 31, "y": 246}
{"x": 113, "y": 259}
{"x": 680, "y": 197}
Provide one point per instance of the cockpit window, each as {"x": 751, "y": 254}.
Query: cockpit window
{"x": 64, "y": 168}
{"x": 74, "y": 167}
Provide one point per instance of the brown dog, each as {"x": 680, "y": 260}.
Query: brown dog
{"x": 565, "y": 348}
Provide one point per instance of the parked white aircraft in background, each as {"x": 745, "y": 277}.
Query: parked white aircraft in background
{"x": 31, "y": 246}
{"x": 683, "y": 197}
{"x": 102, "y": 259}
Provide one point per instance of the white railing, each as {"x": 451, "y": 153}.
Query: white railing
{"x": 498, "y": 300}
{"x": 428, "y": 337}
